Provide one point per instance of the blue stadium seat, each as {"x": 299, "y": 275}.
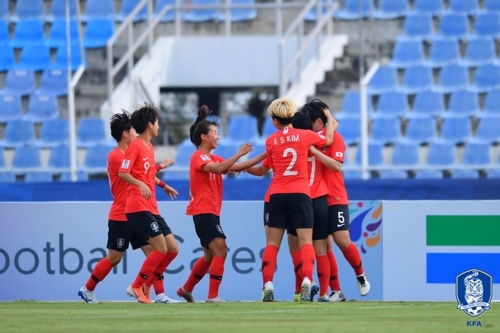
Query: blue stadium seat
{"x": 54, "y": 132}
{"x": 479, "y": 51}
{"x": 57, "y": 37}
{"x": 21, "y": 82}
{"x": 244, "y": 14}
{"x": 97, "y": 32}
{"x": 421, "y": 129}
{"x": 184, "y": 151}
{"x": 59, "y": 157}
{"x": 452, "y": 78}
{"x": 352, "y": 174}
{"x": 242, "y": 129}
{"x": 27, "y": 9}
{"x": 443, "y": 52}
{"x": 407, "y": 53}
{"x": 28, "y": 32}
{"x": 491, "y": 103}
{"x": 405, "y": 153}
{"x": 432, "y": 7}
{"x": 427, "y": 103}
{"x": 38, "y": 177}
{"x": 350, "y": 130}
{"x": 456, "y": 129}
{"x": 268, "y": 128}
{"x": 18, "y": 133}
{"x": 465, "y": 174}
{"x": 90, "y": 132}
{"x": 2, "y": 160}
{"x": 375, "y": 154}
{"x": 4, "y": 10}
{"x": 226, "y": 149}
{"x": 54, "y": 81}
{"x": 10, "y": 107}
{"x": 486, "y": 78}
{"x": 463, "y": 102}
{"x": 26, "y": 157}
{"x": 385, "y": 130}
{"x": 390, "y": 9}
{"x": 415, "y": 79}
{"x": 4, "y": 32}
{"x": 170, "y": 15}
{"x": 454, "y": 26}
{"x": 35, "y": 58}
{"x": 7, "y": 177}
{"x": 469, "y": 7}
{"x": 491, "y": 6}
{"x": 351, "y": 106}
{"x": 97, "y": 156}
{"x": 417, "y": 27}
{"x": 58, "y": 10}
{"x": 487, "y": 25}
{"x": 393, "y": 174}
{"x": 313, "y": 13}
{"x": 99, "y": 9}
{"x": 350, "y": 11}
{"x": 81, "y": 176}
{"x": 495, "y": 173}
{"x": 6, "y": 58}
{"x": 391, "y": 104}
{"x": 441, "y": 153}
{"x": 428, "y": 174}
{"x": 385, "y": 79}
{"x": 476, "y": 153}
{"x": 202, "y": 15}
{"x": 488, "y": 129}
{"x": 61, "y": 61}
{"x": 127, "y": 6}
{"x": 42, "y": 107}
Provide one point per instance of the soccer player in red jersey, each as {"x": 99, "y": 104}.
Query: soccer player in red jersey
{"x": 119, "y": 234}
{"x": 338, "y": 205}
{"x": 290, "y": 205}
{"x": 141, "y": 209}
{"x": 205, "y": 184}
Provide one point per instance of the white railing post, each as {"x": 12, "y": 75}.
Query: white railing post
{"x": 150, "y": 17}
{"x": 279, "y": 18}
{"x": 227, "y": 19}
{"x": 364, "y": 119}
{"x": 178, "y": 18}
{"x": 71, "y": 100}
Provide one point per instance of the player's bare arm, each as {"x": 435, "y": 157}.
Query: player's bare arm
{"x": 331, "y": 127}
{"x": 128, "y": 178}
{"x": 166, "y": 163}
{"x": 258, "y": 170}
{"x": 169, "y": 190}
{"x": 326, "y": 160}
{"x": 226, "y": 165}
{"x": 247, "y": 164}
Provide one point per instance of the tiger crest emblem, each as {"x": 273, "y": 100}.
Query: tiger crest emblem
{"x": 474, "y": 291}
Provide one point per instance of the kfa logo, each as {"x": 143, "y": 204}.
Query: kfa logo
{"x": 120, "y": 242}
{"x": 474, "y": 290}
{"x": 154, "y": 226}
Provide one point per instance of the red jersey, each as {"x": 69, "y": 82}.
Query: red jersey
{"x": 205, "y": 187}
{"x": 337, "y": 194}
{"x": 287, "y": 151}
{"x": 139, "y": 162}
{"x": 317, "y": 185}
{"x": 117, "y": 185}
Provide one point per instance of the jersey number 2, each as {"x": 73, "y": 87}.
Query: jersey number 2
{"x": 288, "y": 171}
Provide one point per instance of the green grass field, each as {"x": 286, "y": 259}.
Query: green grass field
{"x": 351, "y": 317}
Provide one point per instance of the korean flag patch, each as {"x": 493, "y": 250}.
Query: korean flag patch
{"x": 339, "y": 154}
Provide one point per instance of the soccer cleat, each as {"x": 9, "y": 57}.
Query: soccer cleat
{"x": 305, "y": 295}
{"x": 296, "y": 297}
{"x": 138, "y": 294}
{"x": 216, "y": 300}
{"x": 87, "y": 295}
{"x": 268, "y": 292}
{"x": 181, "y": 292}
{"x": 162, "y": 298}
{"x": 337, "y": 296}
{"x": 314, "y": 290}
{"x": 363, "y": 285}
{"x": 324, "y": 298}
{"x": 146, "y": 290}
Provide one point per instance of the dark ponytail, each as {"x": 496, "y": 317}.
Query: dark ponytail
{"x": 201, "y": 125}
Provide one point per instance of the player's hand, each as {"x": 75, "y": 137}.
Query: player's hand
{"x": 245, "y": 149}
{"x": 145, "y": 191}
{"x": 166, "y": 163}
{"x": 171, "y": 192}
{"x": 313, "y": 150}
{"x": 335, "y": 124}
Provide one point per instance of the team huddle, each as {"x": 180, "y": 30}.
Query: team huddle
{"x": 306, "y": 197}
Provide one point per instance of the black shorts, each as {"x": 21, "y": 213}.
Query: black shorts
{"x": 144, "y": 224}
{"x": 320, "y": 211}
{"x": 290, "y": 211}
{"x": 207, "y": 228}
{"x": 165, "y": 229}
{"x": 338, "y": 218}
{"x": 120, "y": 235}
{"x": 266, "y": 213}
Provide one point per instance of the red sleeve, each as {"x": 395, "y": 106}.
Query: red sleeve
{"x": 199, "y": 160}
{"x": 318, "y": 140}
{"x": 269, "y": 158}
{"x": 337, "y": 149}
{"x": 265, "y": 163}
{"x": 129, "y": 158}
{"x": 114, "y": 163}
